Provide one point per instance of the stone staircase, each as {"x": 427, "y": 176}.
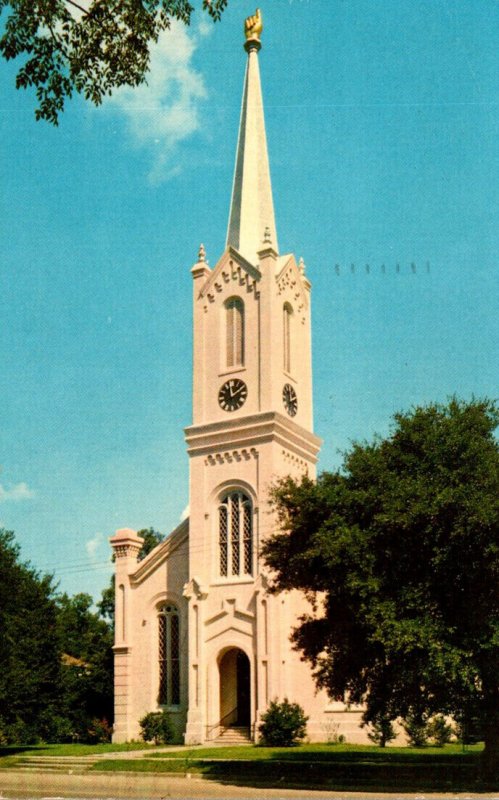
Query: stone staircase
{"x": 68, "y": 765}
{"x": 233, "y": 735}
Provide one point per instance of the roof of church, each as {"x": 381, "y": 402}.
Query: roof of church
{"x": 252, "y": 208}
{"x": 162, "y": 551}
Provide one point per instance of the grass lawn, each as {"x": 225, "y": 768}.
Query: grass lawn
{"x": 67, "y": 749}
{"x": 350, "y": 767}
{"x": 323, "y": 766}
{"x": 322, "y": 752}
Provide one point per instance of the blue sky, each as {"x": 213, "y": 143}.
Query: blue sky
{"x": 382, "y": 125}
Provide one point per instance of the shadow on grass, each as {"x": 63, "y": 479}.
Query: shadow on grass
{"x": 377, "y": 756}
{"x": 387, "y": 772}
{"x": 19, "y": 749}
{"x": 351, "y": 775}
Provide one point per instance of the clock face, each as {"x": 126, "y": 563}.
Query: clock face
{"x": 290, "y": 399}
{"x": 232, "y": 394}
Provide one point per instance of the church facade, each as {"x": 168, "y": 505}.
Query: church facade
{"x": 197, "y": 633}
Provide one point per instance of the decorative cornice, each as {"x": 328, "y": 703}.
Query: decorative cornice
{"x": 231, "y": 267}
{"x": 229, "y": 456}
{"x": 250, "y": 431}
{"x": 200, "y": 270}
{"x": 126, "y": 543}
{"x": 296, "y": 461}
{"x": 294, "y": 284}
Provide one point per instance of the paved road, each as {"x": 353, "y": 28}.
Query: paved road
{"x": 14, "y": 784}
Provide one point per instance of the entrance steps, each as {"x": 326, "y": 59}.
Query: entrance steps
{"x": 233, "y": 734}
{"x": 66, "y": 764}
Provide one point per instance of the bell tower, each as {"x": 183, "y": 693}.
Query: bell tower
{"x": 252, "y": 423}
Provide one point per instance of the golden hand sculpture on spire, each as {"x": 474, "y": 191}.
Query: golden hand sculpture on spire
{"x": 253, "y": 26}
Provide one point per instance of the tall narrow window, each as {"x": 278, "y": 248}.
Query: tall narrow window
{"x": 234, "y": 331}
{"x": 223, "y": 542}
{"x": 247, "y": 538}
{"x": 287, "y": 314}
{"x": 235, "y": 528}
{"x": 169, "y": 656}
{"x": 235, "y": 535}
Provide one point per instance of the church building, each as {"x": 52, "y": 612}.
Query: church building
{"x": 197, "y": 634}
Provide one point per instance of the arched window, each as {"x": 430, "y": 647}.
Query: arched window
{"x": 169, "y": 656}
{"x": 286, "y": 319}
{"x": 235, "y": 535}
{"x": 234, "y": 331}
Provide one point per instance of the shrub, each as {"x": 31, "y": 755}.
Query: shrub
{"x": 283, "y": 724}
{"x": 439, "y": 731}
{"x": 416, "y": 729}
{"x": 156, "y": 727}
{"x": 19, "y": 731}
{"x": 381, "y": 732}
{"x": 331, "y": 729}
{"x": 99, "y": 731}
{"x": 58, "y": 729}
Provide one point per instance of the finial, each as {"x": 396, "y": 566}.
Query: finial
{"x": 253, "y": 27}
{"x": 301, "y": 266}
{"x": 267, "y": 238}
{"x": 202, "y": 253}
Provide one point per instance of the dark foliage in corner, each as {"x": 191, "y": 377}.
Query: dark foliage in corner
{"x": 402, "y": 547}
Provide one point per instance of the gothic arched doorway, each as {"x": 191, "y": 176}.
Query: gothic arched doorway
{"x": 235, "y": 691}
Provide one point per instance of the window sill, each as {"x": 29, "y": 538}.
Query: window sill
{"x": 231, "y": 371}
{"x": 233, "y": 581}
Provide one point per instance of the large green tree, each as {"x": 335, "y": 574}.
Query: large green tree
{"x": 400, "y": 551}
{"x": 86, "y": 684}
{"x": 86, "y": 46}
{"x": 30, "y": 666}
{"x": 56, "y": 660}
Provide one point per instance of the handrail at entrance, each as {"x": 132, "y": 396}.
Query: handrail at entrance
{"x": 222, "y": 723}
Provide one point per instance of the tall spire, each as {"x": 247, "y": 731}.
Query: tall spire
{"x": 251, "y": 208}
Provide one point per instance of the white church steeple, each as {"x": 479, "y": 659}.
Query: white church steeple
{"x": 251, "y": 208}
{"x": 197, "y": 634}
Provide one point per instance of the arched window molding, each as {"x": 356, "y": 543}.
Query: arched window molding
{"x": 234, "y": 332}
{"x": 169, "y": 655}
{"x": 235, "y": 535}
{"x": 287, "y": 314}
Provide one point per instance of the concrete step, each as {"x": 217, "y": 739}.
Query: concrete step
{"x": 54, "y": 764}
{"x": 234, "y": 735}
{"x": 59, "y": 769}
{"x": 58, "y": 759}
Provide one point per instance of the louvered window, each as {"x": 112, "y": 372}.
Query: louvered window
{"x": 235, "y": 535}
{"x": 169, "y": 656}
{"x": 234, "y": 330}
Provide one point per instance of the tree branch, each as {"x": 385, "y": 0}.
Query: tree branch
{"x": 57, "y": 43}
{"x": 80, "y": 8}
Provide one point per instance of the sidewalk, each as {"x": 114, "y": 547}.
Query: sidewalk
{"x": 14, "y": 784}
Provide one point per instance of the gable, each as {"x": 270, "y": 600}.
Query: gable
{"x": 231, "y": 272}
{"x": 292, "y": 284}
{"x": 178, "y": 538}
